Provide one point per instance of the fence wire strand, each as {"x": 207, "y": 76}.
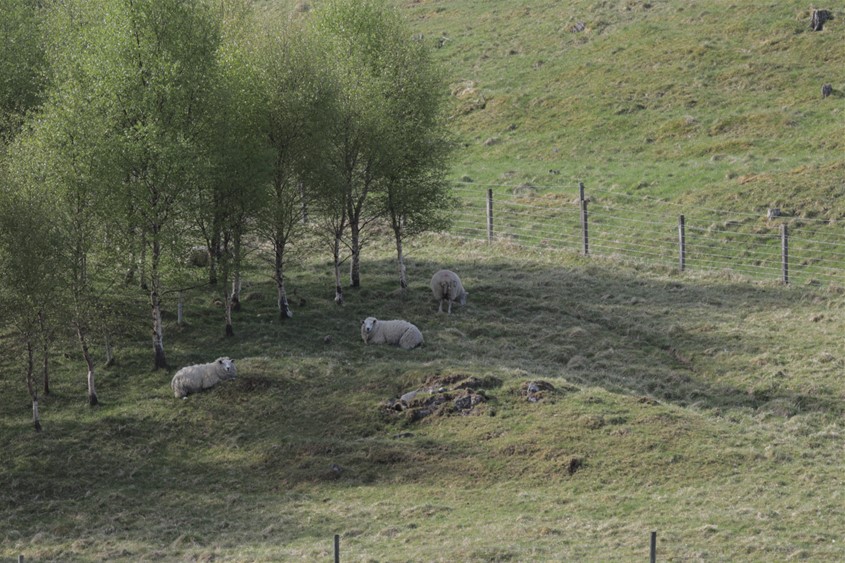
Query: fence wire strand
{"x": 648, "y": 229}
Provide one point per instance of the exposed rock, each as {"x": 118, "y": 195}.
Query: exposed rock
{"x": 471, "y": 98}
{"x": 536, "y": 391}
{"x": 335, "y": 471}
{"x": 827, "y": 90}
{"x": 449, "y": 395}
{"x": 575, "y": 463}
{"x": 819, "y": 18}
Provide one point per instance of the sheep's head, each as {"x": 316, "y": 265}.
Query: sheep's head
{"x": 228, "y": 365}
{"x": 464, "y": 296}
{"x": 367, "y": 327}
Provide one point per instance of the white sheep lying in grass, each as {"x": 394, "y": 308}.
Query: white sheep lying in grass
{"x": 446, "y": 284}
{"x": 399, "y": 333}
{"x": 192, "y": 379}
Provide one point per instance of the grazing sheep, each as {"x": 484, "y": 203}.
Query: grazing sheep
{"x": 195, "y": 378}
{"x": 399, "y": 333}
{"x": 446, "y": 285}
{"x": 198, "y": 257}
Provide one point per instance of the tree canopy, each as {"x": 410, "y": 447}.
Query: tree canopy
{"x": 135, "y": 129}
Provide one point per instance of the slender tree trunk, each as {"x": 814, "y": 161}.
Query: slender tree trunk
{"x": 89, "y": 361}
{"x": 236, "y": 290}
{"x": 30, "y": 383}
{"x": 179, "y": 310}
{"x": 304, "y": 202}
{"x": 338, "y": 290}
{"x": 133, "y": 257}
{"x": 36, "y": 416}
{"x": 230, "y": 331}
{"x": 236, "y": 273}
{"x": 129, "y": 278}
{"x": 159, "y": 359}
{"x": 109, "y": 349}
{"x": 213, "y": 256}
{"x": 142, "y": 260}
{"x": 227, "y": 297}
{"x": 279, "y": 275}
{"x": 45, "y": 349}
{"x": 403, "y": 276}
{"x": 355, "y": 262}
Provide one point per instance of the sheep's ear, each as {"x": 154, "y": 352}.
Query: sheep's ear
{"x": 219, "y": 360}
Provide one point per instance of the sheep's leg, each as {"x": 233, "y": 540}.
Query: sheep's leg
{"x": 450, "y": 307}
{"x": 440, "y": 308}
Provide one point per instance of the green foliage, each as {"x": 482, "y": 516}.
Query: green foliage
{"x": 22, "y": 63}
{"x": 22, "y": 53}
{"x": 31, "y": 282}
{"x": 386, "y": 140}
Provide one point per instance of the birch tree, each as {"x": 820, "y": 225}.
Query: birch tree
{"x": 231, "y": 193}
{"x": 352, "y": 34}
{"x": 293, "y": 118}
{"x": 148, "y": 65}
{"x": 416, "y": 196}
{"x": 62, "y": 153}
{"x": 55, "y": 158}
{"x": 387, "y": 143}
{"x": 29, "y": 281}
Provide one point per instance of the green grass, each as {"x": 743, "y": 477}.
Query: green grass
{"x": 646, "y": 94}
{"x": 707, "y": 407}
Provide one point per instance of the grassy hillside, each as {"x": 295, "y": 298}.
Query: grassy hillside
{"x": 708, "y": 410}
{"x": 610, "y": 399}
{"x": 674, "y": 98}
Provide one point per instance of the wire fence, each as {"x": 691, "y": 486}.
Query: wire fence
{"x": 764, "y": 246}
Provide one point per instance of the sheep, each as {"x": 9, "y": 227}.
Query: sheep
{"x": 198, "y": 257}
{"x": 195, "y": 378}
{"x": 446, "y": 284}
{"x": 400, "y": 333}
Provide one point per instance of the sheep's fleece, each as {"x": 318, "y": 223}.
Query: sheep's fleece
{"x": 195, "y": 378}
{"x": 399, "y": 333}
{"x": 445, "y": 284}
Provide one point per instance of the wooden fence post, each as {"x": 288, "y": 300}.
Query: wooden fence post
{"x": 682, "y": 243}
{"x": 784, "y": 253}
{"x": 585, "y": 246}
{"x": 653, "y": 550}
{"x": 489, "y": 215}
{"x": 336, "y": 548}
